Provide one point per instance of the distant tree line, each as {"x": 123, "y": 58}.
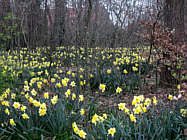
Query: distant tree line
{"x": 105, "y": 23}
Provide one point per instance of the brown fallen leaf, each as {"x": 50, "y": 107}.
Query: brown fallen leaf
{"x": 185, "y": 132}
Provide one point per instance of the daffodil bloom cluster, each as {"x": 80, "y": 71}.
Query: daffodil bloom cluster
{"x": 126, "y": 59}
{"x": 54, "y": 100}
{"x": 79, "y": 132}
{"x": 140, "y": 104}
{"x": 65, "y": 82}
{"x": 42, "y": 109}
{"x": 33, "y": 95}
{"x": 183, "y": 112}
{"x": 96, "y": 118}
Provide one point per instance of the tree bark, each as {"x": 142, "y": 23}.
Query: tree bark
{"x": 185, "y": 19}
{"x": 174, "y": 17}
{"x": 34, "y": 24}
{"x": 59, "y": 24}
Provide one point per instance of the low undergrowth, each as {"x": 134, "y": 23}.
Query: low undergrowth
{"x": 46, "y": 101}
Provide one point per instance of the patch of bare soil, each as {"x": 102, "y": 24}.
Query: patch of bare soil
{"x": 161, "y": 95}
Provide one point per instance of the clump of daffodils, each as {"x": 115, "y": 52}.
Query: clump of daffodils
{"x": 77, "y": 131}
{"x": 42, "y": 109}
{"x": 54, "y": 100}
{"x": 96, "y": 118}
{"x": 183, "y": 112}
{"x": 140, "y": 104}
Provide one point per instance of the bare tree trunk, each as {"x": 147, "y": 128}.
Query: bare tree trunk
{"x": 86, "y": 35}
{"x": 34, "y": 24}
{"x": 174, "y": 19}
{"x": 95, "y": 25}
{"x": 4, "y": 8}
{"x": 46, "y": 17}
{"x": 59, "y": 24}
{"x": 79, "y": 25}
{"x": 185, "y": 19}
{"x": 87, "y": 19}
